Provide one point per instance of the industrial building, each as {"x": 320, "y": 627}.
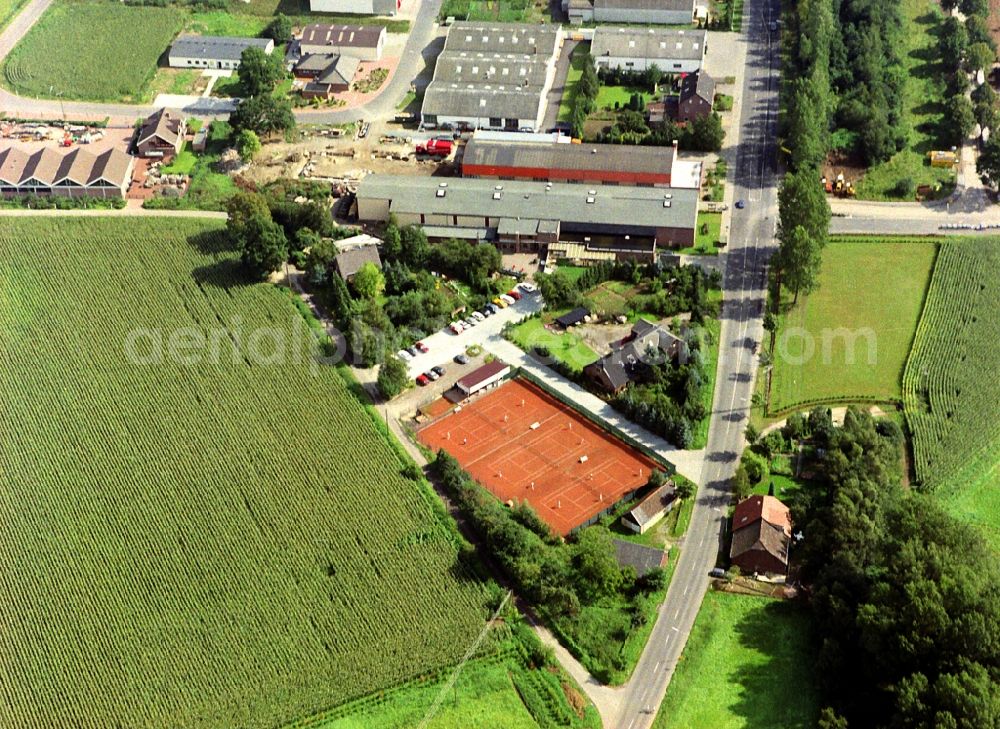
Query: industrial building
{"x": 211, "y": 51}
{"x": 65, "y": 172}
{"x": 355, "y": 7}
{"x": 636, "y": 49}
{"x": 600, "y": 164}
{"x": 492, "y": 76}
{"x": 573, "y": 221}
{"x": 645, "y": 12}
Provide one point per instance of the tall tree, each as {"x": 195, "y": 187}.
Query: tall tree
{"x": 279, "y": 29}
{"x": 369, "y": 281}
{"x": 258, "y": 71}
{"x": 798, "y": 261}
{"x": 242, "y": 207}
{"x": 392, "y": 377}
{"x": 264, "y": 247}
{"x": 988, "y": 164}
{"x": 802, "y": 202}
{"x": 263, "y": 114}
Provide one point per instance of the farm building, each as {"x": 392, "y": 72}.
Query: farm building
{"x": 696, "y": 99}
{"x": 648, "y": 512}
{"x": 161, "y": 135}
{"x": 492, "y": 76}
{"x": 211, "y": 51}
{"x": 356, "y": 7}
{"x": 600, "y": 164}
{"x": 483, "y": 377}
{"x": 354, "y": 252}
{"x": 645, "y": 12}
{"x": 329, "y": 74}
{"x": 636, "y": 49}
{"x": 630, "y": 359}
{"x": 364, "y": 42}
{"x": 611, "y": 221}
{"x": 762, "y": 534}
{"x": 70, "y": 173}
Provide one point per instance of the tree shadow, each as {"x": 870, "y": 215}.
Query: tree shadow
{"x": 211, "y": 242}
{"x": 777, "y": 675}
{"x": 224, "y": 274}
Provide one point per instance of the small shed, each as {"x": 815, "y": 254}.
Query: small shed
{"x": 489, "y": 374}
{"x": 200, "y": 141}
{"x": 651, "y": 509}
{"x": 572, "y": 318}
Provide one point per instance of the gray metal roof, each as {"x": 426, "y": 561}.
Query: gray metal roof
{"x": 502, "y": 101}
{"x": 502, "y": 38}
{"x": 617, "y": 205}
{"x": 673, "y": 5}
{"x": 640, "y": 556}
{"x": 611, "y": 157}
{"x": 354, "y": 36}
{"x": 698, "y": 83}
{"x": 511, "y": 69}
{"x": 655, "y": 43}
{"x": 226, "y": 48}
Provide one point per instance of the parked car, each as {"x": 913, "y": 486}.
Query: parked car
{"x": 471, "y": 322}
{"x": 439, "y": 370}
{"x": 527, "y": 287}
{"x": 487, "y": 311}
{"x": 499, "y": 302}
{"x": 413, "y": 351}
{"x": 422, "y": 347}
{"x": 461, "y": 359}
{"x": 422, "y": 380}
{"x": 717, "y": 572}
{"x": 506, "y": 299}
{"x": 478, "y": 315}
{"x": 493, "y": 308}
{"x": 431, "y": 375}
{"x": 404, "y": 355}
{"x": 740, "y": 204}
{"x": 514, "y": 294}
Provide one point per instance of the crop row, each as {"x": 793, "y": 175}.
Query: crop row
{"x": 951, "y": 385}
{"x": 221, "y": 543}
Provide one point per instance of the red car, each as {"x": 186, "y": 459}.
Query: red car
{"x": 514, "y": 294}
{"x": 422, "y": 380}
{"x": 422, "y": 347}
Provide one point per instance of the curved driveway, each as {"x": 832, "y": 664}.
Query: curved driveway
{"x": 417, "y": 52}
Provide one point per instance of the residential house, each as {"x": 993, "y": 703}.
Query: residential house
{"x": 329, "y": 74}
{"x": 630, "y": 359}
{"x": 762, "y": 534}
{"x": 72, "y": 172}
{"x": 161, "y": 135}
{"x": 364, "y": 42}
{"x": 354, "y": 252}
{"x": 696, "y": 99}
{"x": 214, "y": 52}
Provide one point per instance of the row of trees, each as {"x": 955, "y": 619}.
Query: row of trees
{"x": 261, "y": 111}
{"x": 904, "y": 597}
{"x": 584, "y": 94}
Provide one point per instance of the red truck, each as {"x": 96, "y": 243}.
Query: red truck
{"x": 435, "y": 147}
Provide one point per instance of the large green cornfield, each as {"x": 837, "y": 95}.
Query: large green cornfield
{"x": 196, "y": 530}
{"x": 951, "y": 386}
{"x": 95, "y": 51}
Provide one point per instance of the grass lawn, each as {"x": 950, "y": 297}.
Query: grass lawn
{"x": 573, "y": 273}
{"x": 870, "y": 291}
{"x": 704, "y": 242}
{"x": 747, "y": 664}
{"x": 565, "y": 346}
{"x": 76, "y": 51}
{"x": 183, "y": 163}
{"x": 572, "y": 76}
{"x": 172, "y": 81}
{"x": 209, "y": 189}
{"x": 923, "y": 108}
{"x": 222, "y": 22}
{"x": 607, "y": 96}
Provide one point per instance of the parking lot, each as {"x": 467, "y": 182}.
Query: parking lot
{"x": 443, "y": 346}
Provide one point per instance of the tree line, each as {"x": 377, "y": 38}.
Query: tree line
{"x": 905, "y": 599}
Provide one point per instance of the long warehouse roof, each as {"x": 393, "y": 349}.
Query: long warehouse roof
{"x": 618, "y": 205}
{"x": 612, "y": 157}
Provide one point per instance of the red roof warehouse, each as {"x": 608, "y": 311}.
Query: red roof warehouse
{"x": 558, "y": 162}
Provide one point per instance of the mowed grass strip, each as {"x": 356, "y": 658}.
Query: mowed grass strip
{"x": 93, "y": 51}
{"x": 747, "y": 663}
{"x": 212, "y": 536}
{"x": 849, "y": 340}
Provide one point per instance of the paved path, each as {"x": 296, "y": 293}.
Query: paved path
{"x": 558, "y": 85}
{"x": 860, "y": 216}
{"x": 420, "y": 51}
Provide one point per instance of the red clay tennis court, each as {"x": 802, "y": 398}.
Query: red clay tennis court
{"x": 524, "y": 445}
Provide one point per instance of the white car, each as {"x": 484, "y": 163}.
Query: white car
{"x": 478, "y": 315}
{"x": 470, "y": 322}
{"x": 404, "y": 355}
{"x": 457, "y": 327}
{"x": 508, "y": 299}
{"x": 528, "y": 288}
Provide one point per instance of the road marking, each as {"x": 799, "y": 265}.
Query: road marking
{"x": 656, "y": 666}
{"x": 686, "y": 589}
{"x": 674, "y": 628}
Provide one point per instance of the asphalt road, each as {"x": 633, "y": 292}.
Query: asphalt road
{"x": 421, "y": 49}
{"x": 751, "y": 243}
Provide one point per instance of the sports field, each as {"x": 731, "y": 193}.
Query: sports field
{"x": 849, "y": 340}
{"x": 524, "y": 445}
{"x": 94, "y": 51}
{"x": 213, "y": 535}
